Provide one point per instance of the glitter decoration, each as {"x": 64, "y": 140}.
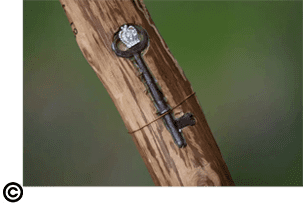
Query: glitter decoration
{"x": 129, "y": 36}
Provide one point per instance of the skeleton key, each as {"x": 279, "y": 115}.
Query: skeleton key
{"x": 129, "y": 42}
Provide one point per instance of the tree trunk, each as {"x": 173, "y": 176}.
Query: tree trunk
{"x": 198, "y": 164}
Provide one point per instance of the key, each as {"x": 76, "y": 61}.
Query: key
{"x": 129, "y": 42}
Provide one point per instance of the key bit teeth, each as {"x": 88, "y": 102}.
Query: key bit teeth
{"x": 186, "y": 120}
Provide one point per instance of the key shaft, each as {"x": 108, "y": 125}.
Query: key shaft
{"x": 161, "y": 105}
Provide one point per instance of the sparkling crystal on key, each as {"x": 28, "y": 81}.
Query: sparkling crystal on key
{"x": 129, "y": 36}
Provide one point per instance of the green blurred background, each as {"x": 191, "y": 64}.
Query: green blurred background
{"x": 244, "y": 60}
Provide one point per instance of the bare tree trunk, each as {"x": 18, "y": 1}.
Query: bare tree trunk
{"x": 198, "y": 164}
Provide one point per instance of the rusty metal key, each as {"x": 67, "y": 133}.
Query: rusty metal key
{"x": 129, "y": 42}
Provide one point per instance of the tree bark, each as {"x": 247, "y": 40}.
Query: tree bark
{"x": 200, "y": 163}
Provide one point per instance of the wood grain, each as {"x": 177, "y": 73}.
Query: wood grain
{"x": 200, "y": 163}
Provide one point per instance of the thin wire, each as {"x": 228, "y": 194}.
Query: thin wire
{"x": 164, "y": 113}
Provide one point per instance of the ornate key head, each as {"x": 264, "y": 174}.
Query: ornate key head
{"x": 129, "y": 36}
{"x": 133, "y": 37}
